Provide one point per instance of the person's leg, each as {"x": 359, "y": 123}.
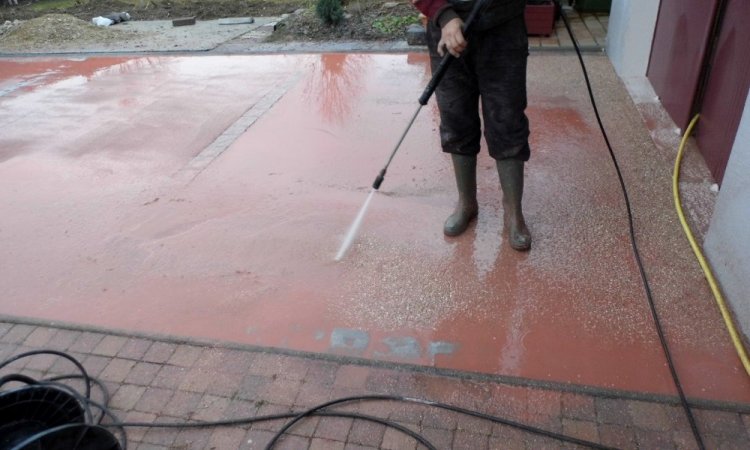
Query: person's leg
{"x": 511, "y": 181}
{"x": 467, "y": 208}
{"x": 502, "y": 54}
{"x": 460, "y": 131}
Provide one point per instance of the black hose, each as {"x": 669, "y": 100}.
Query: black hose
{"x": 457, "y": 409}
{"x": 17, "y": 377}
{"x": 321, "y": 409}
{"x": 295, "y": 417}
{"x": 102, "y": 387}
{"x": 256, "y": 419}
{"x": 636, "y": 252}
{"x": 84, "y": 374}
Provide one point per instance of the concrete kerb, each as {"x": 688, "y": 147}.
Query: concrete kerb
{"x": 394, "y": 47}
{"x": 713, "y": 405}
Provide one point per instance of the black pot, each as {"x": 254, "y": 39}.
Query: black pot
{"x": 41, "y": 417}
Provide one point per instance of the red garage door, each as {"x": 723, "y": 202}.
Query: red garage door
{"x": 726, "y": 87}
{"x": 699, "y": 63}
{"x": 679, "y": 49}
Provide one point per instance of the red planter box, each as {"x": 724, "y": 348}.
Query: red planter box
{"x": 540, "y": 19}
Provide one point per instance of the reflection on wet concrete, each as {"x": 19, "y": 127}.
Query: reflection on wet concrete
{"x": 101, "y": 227}
{"x": 336, "y": 84}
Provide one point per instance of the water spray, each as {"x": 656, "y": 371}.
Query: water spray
{"x": 437, "y": 76}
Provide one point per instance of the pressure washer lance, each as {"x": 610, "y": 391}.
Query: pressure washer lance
{"x": 437, "y": 76}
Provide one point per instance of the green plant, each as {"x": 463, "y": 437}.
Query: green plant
{"x": 394, "y": 24}
{"x": 330, "y": 11}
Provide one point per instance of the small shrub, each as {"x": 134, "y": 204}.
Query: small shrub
{"x": 330, "y": 11}
{"x": 394, "y": 24}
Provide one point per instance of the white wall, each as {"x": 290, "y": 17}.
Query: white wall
{"x": 630, "y": 34}
{"x": 727, "y": 242}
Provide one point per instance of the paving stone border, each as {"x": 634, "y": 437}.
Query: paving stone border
{"x": 173, "y": 379}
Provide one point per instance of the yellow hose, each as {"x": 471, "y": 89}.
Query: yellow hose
{"x": 741, "y": 352}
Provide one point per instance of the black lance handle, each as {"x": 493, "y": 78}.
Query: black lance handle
{"x": 448, "y": 58}
{"x": 434, "y": 81}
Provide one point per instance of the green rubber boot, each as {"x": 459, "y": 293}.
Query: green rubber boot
{"x": 511, "y": 181}
{"x": 465, "y": 168}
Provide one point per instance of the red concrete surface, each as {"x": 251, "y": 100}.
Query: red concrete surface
{"x": 102, "y": 226}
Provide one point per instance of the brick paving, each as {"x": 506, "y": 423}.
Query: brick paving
{"x": 155, "y": 380}
{"x": 590, "y": 30}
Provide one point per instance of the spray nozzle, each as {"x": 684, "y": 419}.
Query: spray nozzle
{"x": 379, "y": 180}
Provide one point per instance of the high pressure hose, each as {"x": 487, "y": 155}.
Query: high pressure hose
{"x": 634, "y": 245}
{"x": 736, "y": 340}
{"x": 322, "y": 410}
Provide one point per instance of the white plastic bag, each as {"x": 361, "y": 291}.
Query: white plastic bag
{"x": 102, "y": 21}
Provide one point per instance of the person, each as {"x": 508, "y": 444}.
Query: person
{"x": 490, "y": 65}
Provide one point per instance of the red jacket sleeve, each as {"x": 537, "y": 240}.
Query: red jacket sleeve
{"x": 429, "y": 7}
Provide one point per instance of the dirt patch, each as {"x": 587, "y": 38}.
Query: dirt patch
{"x": 159, "y": 9}
{"x": 363, "y": 20}
{"x": 203, "y": 10}
{"x": 56, "y": 31}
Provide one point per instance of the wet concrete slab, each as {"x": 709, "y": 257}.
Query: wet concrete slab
{"x": 207, "y": 197}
